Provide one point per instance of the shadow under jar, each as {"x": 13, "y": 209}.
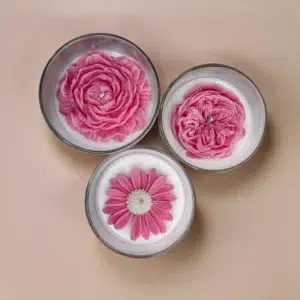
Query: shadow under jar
{"x": 213, "y": 117}
{"x": 99, "y": 93}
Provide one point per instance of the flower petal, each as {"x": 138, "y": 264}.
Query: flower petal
{"x": 145, "y": 228}
{"x": 157, "y": 184}
{"x": 111, "y": 209}
{"x": 162, "y": 204}
{"x": 125, "y": 183}
{"x": 160, "y": 223}
{"x": 116, "y": 194}
{"x": 152, "y": 176}
{"x": 140, "y": 118}
{"x": 136, "y": 178}
{"x": 162, "y": 214}
{"x": 154, "y": 228}
{"x": 123, "y": 220}
{"x": 115, "y": 217}
{"x": 166, "y": 188}
{"x": 114, "y": 201}
{"x": 144, "y": 180}
{"x": 136, "y": 227}
{"x": 167, "y": 197}
{"x": 114, "y": 183}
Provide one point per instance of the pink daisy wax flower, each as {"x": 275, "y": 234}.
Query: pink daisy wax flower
{"x": 209, "y": 121}
{"x": 104, "y": 97}
{"x": 143, "y": 200}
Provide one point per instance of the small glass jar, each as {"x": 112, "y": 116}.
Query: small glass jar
{"x": 234, "y": 84}
{"x": 140, "y": 185}
{"x": 67, "y": 55}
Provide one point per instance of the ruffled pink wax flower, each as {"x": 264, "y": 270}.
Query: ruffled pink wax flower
{"x": 104, "y": 97}
{"x": 209, "y": 121}
{"x": 142, "y": 199}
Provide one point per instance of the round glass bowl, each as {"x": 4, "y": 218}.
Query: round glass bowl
{"x": 68, "y": 54}
{"x": 233, "y": 82}
{"x": 140, "y": 185}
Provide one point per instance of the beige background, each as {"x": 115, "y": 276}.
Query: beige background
{"x": 245, "y": 242}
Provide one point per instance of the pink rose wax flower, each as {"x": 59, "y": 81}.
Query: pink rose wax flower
{"x": 99, "y": 93}
{"x": 143, "y": 199}
{"x": 209, "y": 121}
{"x": 140, "y": 202}
{"x": 104, "y": 97}
{"x": 212, "y": 117}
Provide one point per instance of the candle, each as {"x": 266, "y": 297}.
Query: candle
{"x": 99, "y": 93}
{"x": 140, "y": 202}
{"x": 213, "y": 117}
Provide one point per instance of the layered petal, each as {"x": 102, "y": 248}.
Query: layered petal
{"x": 163, "y": 190}
{"x": 167, "y": 197}
{"x": 161, "y": 213}
{"x": 145, "y": 232}
{"x": 113, "y": 208}
{"x": 159, "y": 222}
{"x": 116, "y": 194}
{"x": 152, "y": 176}
{"x": 209, "y": 121}
{"x": 113, "y": 218}
{"x": 123, "y": 220}
{"x": 166, "y": 205}
{"x": 136, "y": 227}
{"x": 154, "y": 228}
{"x": 144, "y": 180}
{"x": 124, "y": 182}
{"x": 104, "y": 97}
{"x": 157, "y": 184}
{"x": 136, "y": 178}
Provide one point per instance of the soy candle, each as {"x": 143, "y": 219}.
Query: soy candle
{"x": 99, "y": 93}
{"x": 140, "y": 202}
{"x": 213, "y": 117}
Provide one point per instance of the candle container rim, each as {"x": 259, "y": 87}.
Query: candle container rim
{"x": 82, "y": 149}
{"x": 160, "y": 117}
{"x": 86, "y": 199}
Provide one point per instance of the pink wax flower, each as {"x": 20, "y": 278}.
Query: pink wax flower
{"x": 209, "y": 121}
{"x": 142, "y": 199}
{"x": 104, "y": 97}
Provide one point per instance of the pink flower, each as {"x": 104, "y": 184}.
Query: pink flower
{"x": 104, "y": 97}
{"x": 209, "y": 121}
{"x": 143, "y": 199}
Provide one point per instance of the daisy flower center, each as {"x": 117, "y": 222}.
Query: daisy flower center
{"x": 139, "y": 202}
